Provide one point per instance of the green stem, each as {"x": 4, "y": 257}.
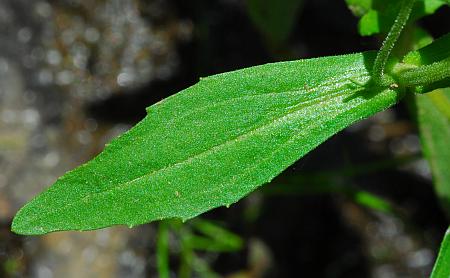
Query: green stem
{"x": 425, "y": 75}
{"x": 163, "y": 250}
{"x": 389, "y": 43}
{"x": 187, "y": 254}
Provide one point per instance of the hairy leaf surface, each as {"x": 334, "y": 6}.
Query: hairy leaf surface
{"x": 210, "y": 145}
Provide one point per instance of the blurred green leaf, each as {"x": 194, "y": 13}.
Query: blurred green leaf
{"x": 359, "y": 7}
{"x": 432, "y": 111}
{"x": 371, "y": 201}
{"x": 436, "y": 51}
{"x": 441, "y": 268}
{"x": 162, "y": 250}
{"x": 377, "y": 16}
{"x": 187, "y": 255}
{"x": 203, "y": 268}
{"x": 210, "y": 144}
{"x": 274, "y": 18}
{"x": 11, "y": 266}
{"x": 221, "y": 239}
{"x": 421, "y": 38}
{"x": 433, "y": 117}
{"x": 208, "y": 244}
{"x": 358, "y": 196}
{"x": 431, "y": 53}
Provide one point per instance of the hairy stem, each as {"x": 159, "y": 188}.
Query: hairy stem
{"x": 389, "y": 43}
{"x": 425, "y": 75}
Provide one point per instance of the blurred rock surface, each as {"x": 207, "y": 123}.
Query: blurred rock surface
{"x": 55, "y": 56}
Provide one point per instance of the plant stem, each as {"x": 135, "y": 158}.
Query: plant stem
{"x": 187, "y": 254}
{"x": 163, "y": 250}
{"x": 425, "y": 75}
{"x": 389, "y": 43}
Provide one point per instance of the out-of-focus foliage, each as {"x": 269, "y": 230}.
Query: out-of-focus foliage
{"x": 275, "y": 19}
{"x": 433, "y": 115}
{"x": 442, "y": 266}
{"x": 197, "y": 235}
{"x": 377, "y": 16}
{"x": 432, "y": 111}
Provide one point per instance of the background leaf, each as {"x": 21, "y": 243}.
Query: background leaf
{"x": 433, "y": 117}
{"x": 377, "y": 16}
{"x": 432, "y": 111}
{"x": 210, "y": 145}
{"x": 442, "y": 267}
{"x": 275, "y": 19}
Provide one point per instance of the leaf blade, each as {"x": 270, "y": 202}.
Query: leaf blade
{"x": 442, "y": 266}
{"x": 273, "y": 18}
{"x": 209, "y": 145}
{"x": 432, "y": 113}
{"x": 433, "y": 117}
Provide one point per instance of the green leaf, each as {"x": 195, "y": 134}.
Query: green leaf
{"x": 433, "y": 53}
{"x": 162, "y": 250}
{"x": 433, "y": 117}
{"x": 217, "y": 238}
{"x": 359, "y": 7}
{"x": 441, "y": 268}
{"x": 377, "y": 16}
{"x": 274, "y": 18}
{"x": 210, "y": 145}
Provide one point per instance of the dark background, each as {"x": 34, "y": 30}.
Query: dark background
{"x": 308, "y": 222}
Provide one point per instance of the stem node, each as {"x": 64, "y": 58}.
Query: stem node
{"x": 389, "y": 43}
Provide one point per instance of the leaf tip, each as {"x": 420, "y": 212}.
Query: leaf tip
{"x": 21, "y": 226}
{"x": 17, "y": 225}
